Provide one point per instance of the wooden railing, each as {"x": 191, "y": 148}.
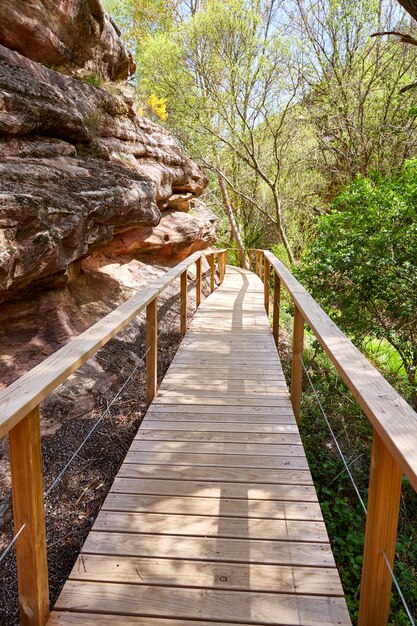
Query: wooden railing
{"x": 394, "y": 448}
{"x": 20, "y": 418}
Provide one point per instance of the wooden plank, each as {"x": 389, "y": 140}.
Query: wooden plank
{"x": 217, "y": 460}
{"x": 210, "y": 259}
{"x": 234, "y": 507}
{"x": 262, "y": 551}
{"x": 186, "y": 573}
{"x": 230, "y": 424}
{"x": 381, "y": 535}
{"x": 198, "y": 282}
{"x": 151, "y": 351}
{"x": 210, "y": 549}
{"x": 68, "y": 618}
{"x": 208, "y": 399}
{"x": 258, "y": 413}
{"x": 253, "y": 607}
{"x": 230, "y": 387}
{"x": 266, "y": 285}
{"x": 184, "y": 302}
{"x": 28, "y": 511}
{"x": 296, "y": 364}
{"x": 276, "y": 308}
{"x": 204, "y": 447}
{"x": 237, "y": 376}
{"x": 216, "y": 436}
{"x": 214, "y": 473}
{"x": 207, "y": 489}
{"x": 214, "y": 526}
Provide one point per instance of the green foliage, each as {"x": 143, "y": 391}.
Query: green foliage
{"x": 92, "y": 79}
{"x": 363, "y": 264}
{"x": 353, "y": 98}
{"x": 137, "y": 18}
{"x": 343, "y": 515}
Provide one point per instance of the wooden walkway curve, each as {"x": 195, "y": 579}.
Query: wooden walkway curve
{"x": 213, "y": 517}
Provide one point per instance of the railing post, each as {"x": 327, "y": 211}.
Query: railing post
{"x": 276, "y": 307}
{"x": 380, "y": 535}
{"x": 28, "y": 510}
{"x": 184, "y": 305}
{"x": 222, "y": 264}
{"x": 211, "y": 262}
{"x": 266, "y": 284}
{"x": 151, "y": 351}
{"x": 198, "y": 283}
{"x": 296, "y": 365}
{"x": 257, "y": 262}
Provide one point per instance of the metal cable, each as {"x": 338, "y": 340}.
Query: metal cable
{"x": 400, "y": 593}
{"x": 11, "y": 544}
{"x": 82, "y": 444}
{"x": 106, "y": 412}
{"x": 394, "y": 578}
{"x": 342, "y": 456}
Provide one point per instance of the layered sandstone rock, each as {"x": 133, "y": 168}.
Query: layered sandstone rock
{"x": 71, "y": 34}
{"x": 77, "y": 168}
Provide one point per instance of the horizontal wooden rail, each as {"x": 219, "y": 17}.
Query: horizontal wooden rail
{"x": 20, "y": 417}
{"x": 393, "y": 419}
{"x": 26, "y": 393}
{"x": 395, "y": 432}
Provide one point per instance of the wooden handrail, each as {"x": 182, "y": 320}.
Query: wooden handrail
{"x": 393, "y": 419}
{"x": 26, "y": 393}
{"x": 394, "y": 440}
{"x": 20, "y": 417}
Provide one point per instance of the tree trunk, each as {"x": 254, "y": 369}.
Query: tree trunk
{"x": 281, "y": 229}
{"x": 230, "y": 212}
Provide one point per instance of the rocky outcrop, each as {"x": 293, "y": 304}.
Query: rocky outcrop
{"x": 177, "y": 235}
{"x": 77, "y": 168}
{"x": 71, "y": 34}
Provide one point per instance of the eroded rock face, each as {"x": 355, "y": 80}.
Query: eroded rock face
{"x": 77, "y": 167}
{"x": 177, "y": 235}
{"x": 53, "y": 212}
{"x": 71, "y": 34}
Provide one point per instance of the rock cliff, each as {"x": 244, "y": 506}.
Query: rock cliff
{"x": 88, "y": 190}
{"x": 74, "y": 35}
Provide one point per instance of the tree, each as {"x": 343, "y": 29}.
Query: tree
{"x": 138, "y": 18}
{"x": 225, "y": 75}
{"x": 351, "y": 87}
{"x": 363, "y": 265}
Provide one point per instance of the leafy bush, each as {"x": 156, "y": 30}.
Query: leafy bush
{"x": 363, "y": 264}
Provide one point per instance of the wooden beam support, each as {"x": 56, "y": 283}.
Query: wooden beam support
{"x": 266, "y": 285}
{"x": 276, "y": 308}
{"x": 222, "y": 265}
{"x": 184, "y": 304}
{"x": 296, "y": 365}
{"x": 198, "y": 283}
{"x": 380, "y": 535}
{"x": 211, "y": 263}
{"x": 151, "y": 351}
{"x": 28, "y": 510}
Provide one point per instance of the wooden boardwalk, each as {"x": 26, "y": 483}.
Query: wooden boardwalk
{"x": 213, "y": 517}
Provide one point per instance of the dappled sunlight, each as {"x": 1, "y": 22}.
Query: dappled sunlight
{"x": 213, "y": 512}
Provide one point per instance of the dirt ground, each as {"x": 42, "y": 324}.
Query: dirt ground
{"x": 73, "y": 504}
